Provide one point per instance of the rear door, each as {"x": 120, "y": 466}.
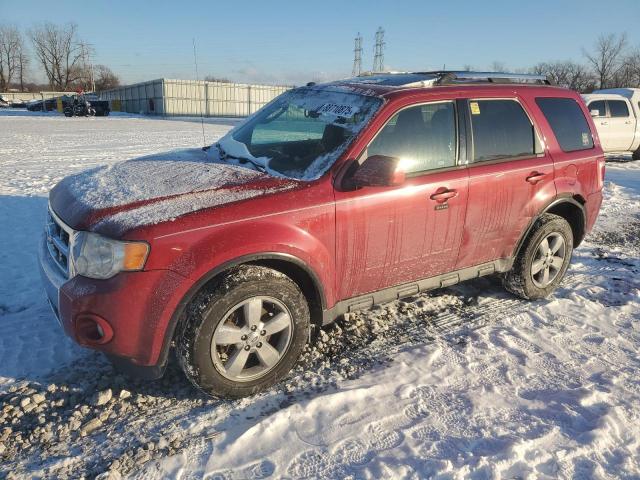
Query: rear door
{"x": 510, "y": 179}
{"x": 387, "y": 236}
{"x": 621, "y": 125}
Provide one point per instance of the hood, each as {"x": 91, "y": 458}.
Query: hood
{"x": 148, "y": 190}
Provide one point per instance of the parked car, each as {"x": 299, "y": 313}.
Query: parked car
{"x": 616, "y": 114}
{"x": 51, "y": 104}
{"x": 4, "y": 103}
{"x": 331, "y": 199}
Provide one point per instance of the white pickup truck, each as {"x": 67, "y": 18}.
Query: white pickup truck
{"x": 616, "y": 114}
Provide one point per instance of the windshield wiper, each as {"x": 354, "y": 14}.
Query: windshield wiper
{"x": 258, "y": 166}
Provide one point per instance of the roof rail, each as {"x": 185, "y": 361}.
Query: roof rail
{"x": 446, "y": 77}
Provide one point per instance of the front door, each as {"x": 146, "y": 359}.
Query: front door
{"x": 509, "y": 178}
{"x": 387, "y": 236}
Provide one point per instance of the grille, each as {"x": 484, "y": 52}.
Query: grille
{"x": 59, "y": 242}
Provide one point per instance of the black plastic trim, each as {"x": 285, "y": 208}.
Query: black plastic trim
{"x": 368, "y": 300}
{"x": 563, "y": 198}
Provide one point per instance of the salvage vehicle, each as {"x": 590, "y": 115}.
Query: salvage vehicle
{"x": 616, "y": 114}
{"x": 330, "y": 199}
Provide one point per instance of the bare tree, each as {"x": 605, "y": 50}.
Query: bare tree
{"x": 105, "y": 78}
{"x": 60, "y": 53}
{"x": 23, "y": 65}
{"x": 213, "y": 78}
{"x": 10, "y": 46}
{"x": 628, "y": 75}
{"x": 497, "y": 66}
{"x": 606, "y": 57}
{"x": 566, "y": 74}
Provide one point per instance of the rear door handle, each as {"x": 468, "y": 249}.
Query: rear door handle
{"x": 442, "y": 195}
{"x": 535, "y": 177}
{"x": 604, "y": 123}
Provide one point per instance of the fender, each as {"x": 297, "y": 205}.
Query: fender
{"x": 558, "y": 200}
{"x": 195, "y": 288}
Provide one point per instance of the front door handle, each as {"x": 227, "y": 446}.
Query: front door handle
{"x": 604, "y": 123}
{"x": 535, "y": 177}
{"x": 442, "y": 195}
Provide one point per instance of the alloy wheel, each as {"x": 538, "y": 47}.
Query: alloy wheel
{"x": 548, "y": 260}
{"x": 251, "y": 339}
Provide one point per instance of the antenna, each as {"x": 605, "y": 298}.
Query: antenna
{"x": 195, "y": 61}
{"x": 357, "y": 57}
{"x": 378, "y": 55}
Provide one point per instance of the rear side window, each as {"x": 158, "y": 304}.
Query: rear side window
{"x": 600, "y": 106}
{"x": 567, "y": 122}
{"x": 618, "y": 108}
{"x": 501, "y": 129}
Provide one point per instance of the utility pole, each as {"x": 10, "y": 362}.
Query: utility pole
{"x": 357, "y": 56}
{"x": 378, "y": 53}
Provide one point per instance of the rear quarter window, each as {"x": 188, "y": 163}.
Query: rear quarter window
{"x": 568, "y": 123}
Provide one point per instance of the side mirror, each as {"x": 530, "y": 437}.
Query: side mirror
{"x": 379, "y": 171}
{"x": 595, "y": 113}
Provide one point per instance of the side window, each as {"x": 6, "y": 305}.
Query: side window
{"x": 618, "y": 108}
{"x": 423, "y": 137}
{"x": 501, "y": 129}
{"x": 599, "y": 105}
{"x": 568, "y": 123}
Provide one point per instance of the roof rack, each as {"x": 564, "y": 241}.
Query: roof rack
{"x": 447, "y": 77}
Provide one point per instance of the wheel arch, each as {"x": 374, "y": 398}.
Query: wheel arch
{"x": 569, "y": 207}
{"x": 296, "y": 269}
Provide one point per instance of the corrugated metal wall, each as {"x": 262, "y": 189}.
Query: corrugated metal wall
{"x": 188, "y": 97}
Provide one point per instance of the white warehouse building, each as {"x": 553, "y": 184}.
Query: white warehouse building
{"x": 170, "y": 97}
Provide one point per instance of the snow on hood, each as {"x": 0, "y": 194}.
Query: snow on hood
{"x": 156, "y": 188}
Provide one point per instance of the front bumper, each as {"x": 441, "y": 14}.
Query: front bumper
{"x": 136, "y": 305}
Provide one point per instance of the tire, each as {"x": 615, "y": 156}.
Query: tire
{"x": 68, "y": 113}
{"x": 526, "y": 279}
{"x": 636, "y": 155}
{"x": 208, "y": 338}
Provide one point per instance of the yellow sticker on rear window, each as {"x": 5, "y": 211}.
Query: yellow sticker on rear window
{"x": 475, "y": 108}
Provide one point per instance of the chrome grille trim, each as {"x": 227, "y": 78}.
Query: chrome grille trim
{"x": 60, "y": 242}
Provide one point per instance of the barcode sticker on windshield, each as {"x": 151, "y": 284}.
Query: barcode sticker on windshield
{"x": 338, "y": 110}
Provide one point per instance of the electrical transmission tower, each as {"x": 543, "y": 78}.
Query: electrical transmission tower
{"x": 378, "y": 55}
{"x": 357, "y": 56}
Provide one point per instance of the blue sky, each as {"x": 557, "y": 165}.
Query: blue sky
{"x": 293, "y": 42}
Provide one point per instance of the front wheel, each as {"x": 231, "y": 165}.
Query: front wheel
{"x": 636, "y": 155}
{"x": 543, "y": 259}
{"x": 244, "y": 332}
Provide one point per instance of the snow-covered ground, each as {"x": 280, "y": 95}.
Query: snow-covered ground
{"x": 464, "y": 382}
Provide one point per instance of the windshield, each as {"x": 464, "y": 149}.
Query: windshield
{"x": 301, "y": 133}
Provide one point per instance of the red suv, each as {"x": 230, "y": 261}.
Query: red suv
{"x": 331, "y": 198}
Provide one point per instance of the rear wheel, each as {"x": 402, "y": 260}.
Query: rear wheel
{"x": 636, "y": 155}
{"x": 543, "y": 259}
{"x": 244, "y": 332}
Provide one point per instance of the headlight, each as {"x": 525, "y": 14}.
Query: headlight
{"x": 95, "y": 256}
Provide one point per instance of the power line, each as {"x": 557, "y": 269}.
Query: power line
{"x": 357, "y": 56}
{"x": 378, "y": 55}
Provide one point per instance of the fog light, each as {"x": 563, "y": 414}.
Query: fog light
{"x": 92, "y": 329}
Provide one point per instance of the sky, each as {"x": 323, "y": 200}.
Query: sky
{"x": 293, "y": 42}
